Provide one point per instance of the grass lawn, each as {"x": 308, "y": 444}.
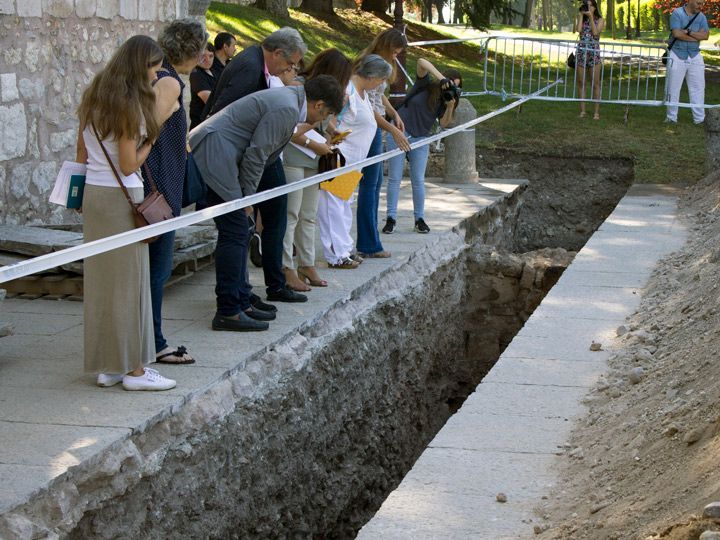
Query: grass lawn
{"x": 662, "y": 153}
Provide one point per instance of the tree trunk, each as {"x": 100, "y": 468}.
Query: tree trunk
{"x": 318, "y": 6}
{"x": 457, "y": 13}
{"x": 376, "y": 6}
{"x": 276, "y": 7}
{"x": 439, "y": 6}
{"x": 545, "y": 15}
{"x": 610, "y": 17}
{"x": 528, "y": 13}
{"x": 427, "y": 9}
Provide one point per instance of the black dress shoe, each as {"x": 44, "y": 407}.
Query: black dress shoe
{"x": 286, "y": 295}
{"x": 242, "y": 324}
{"x": 259, "y": 314}
{"x": 256, "y": 302}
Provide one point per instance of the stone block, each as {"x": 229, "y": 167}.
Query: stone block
{"x": 148, "y": 11}
{"x": 31, "y": 89}
{"x": 7, "y": 7}
{"x": 460, "y": 148}
{"x": 29, "y": 8}
{"x": 86, "y": 8}
{"x": 107, "y": 9}
{"x": 129, "y": 9}
{"x": 8, "y": 87}
{"x": 58, "y": 8}
{"x": 167, "y": 10}
{"x": 13, "y": 131}
{"x": 62, "y": 140}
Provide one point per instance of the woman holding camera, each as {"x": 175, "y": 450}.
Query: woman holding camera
{"x": 425, "y": 102}
{"x": 589, "y": 25}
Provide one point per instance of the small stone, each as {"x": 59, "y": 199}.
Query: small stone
{"x": 671, "y": 430}
{"x": 615, "y": 392}
{"x": 577, "y": 453}
{"x": 621, "y": 330}
{"x": 710, "y": 535}
{"x": 539, "y": 529}
{"x": 712, "y": 510}
{"x": 501, "y": 498}
{"x": 595, "y": 346}
{"x": 599, "y": 506}
{"x": 644, "y": 355}
{"x": 694, "y": 435}
{"x": 636, "y": 375}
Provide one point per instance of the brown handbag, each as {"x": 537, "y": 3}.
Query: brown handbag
{"x": 154, "y": 207}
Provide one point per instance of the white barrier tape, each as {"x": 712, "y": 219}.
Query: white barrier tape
{"x": 647, "y": 103}
{"x": 65, "y": 256}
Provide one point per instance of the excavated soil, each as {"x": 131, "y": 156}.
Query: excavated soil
{"x": 645, "y": 459}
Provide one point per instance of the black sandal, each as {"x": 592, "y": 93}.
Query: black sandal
{"x": 180, "y": 353}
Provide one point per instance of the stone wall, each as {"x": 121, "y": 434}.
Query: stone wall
{"x": 50, "y": 50}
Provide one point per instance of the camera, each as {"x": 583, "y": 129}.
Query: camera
{"x": 451, "y": 93}
{"x": 584, "y": 6}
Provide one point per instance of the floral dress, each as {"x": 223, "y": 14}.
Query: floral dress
{"x": 588, "y": 48}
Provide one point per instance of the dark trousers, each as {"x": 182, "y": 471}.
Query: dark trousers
{"x": 274, "y": 220}
{"x": 231, "y": 287}
{"x": 161, "y": 257}
{"x": 368, "y": 238}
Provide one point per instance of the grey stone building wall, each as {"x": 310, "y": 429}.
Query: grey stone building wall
{"x": 49, "y": 52}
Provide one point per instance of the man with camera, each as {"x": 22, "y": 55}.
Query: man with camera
{"x": 688, "y": 27}
{"x": 426, "y": 102}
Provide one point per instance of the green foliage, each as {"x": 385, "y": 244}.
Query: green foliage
{"x": 651, "y": 17}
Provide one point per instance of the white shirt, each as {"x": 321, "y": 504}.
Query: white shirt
{"x": 358, "y": 116}
{"x": 99, "y": 172}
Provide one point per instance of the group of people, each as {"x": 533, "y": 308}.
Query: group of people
{"x": 688, "y": 27}
{"x": 251, "y": 115}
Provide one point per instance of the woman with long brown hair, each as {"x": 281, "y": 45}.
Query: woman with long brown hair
{"x": 388, "y": 44}
{"x": 118, "y": 118}
{"x": 303, "y": 204}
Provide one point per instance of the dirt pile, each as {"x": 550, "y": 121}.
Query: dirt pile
{"x": 645, "y": 460}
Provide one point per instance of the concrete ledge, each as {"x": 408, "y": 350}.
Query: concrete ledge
{"x": 504, "y": 436}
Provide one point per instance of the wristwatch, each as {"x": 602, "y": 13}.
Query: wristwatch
{"x": 307, "y": 142}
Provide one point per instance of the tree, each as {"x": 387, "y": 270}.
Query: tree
{"x": 319, "y": 6}
{"x": 711, "y": 9}
{"x": 276, "y": 7}
{"x": 479, "y": 11}
{"x": 375, "y": 6}
{"x": 528, "y": 13}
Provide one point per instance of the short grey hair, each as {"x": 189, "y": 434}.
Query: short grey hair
{"x": 288, "y": 40}
{"x": 182, "y": 40}
{"x": 373, "y": 66}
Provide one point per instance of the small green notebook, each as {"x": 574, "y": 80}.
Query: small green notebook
{"x": 75, "y": 191}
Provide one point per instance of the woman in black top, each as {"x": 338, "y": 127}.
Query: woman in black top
{"x": 427, "y": 101}
{"x": 202, "y": 83}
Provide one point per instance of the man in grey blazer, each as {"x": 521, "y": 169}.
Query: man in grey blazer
{"x": 231, "y": 149}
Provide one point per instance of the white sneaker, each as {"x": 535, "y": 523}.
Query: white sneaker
{"x": 151, "y": 380}
{"x": 106, "y": 380}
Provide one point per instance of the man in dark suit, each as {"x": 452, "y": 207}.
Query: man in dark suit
{"x": 249, "y": 72}
{"x": 231, "y": 149}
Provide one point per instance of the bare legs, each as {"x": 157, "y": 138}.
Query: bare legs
{"x": 581, "y": 77}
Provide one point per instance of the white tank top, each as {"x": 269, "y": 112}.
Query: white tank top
{"x": 357, "y": 115}
{"x": 99, "y": 172}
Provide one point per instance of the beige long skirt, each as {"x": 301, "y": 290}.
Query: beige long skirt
{"x": 117, "y": 305}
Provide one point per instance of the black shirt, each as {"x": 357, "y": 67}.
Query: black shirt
{"x": 200, "y": 80}
{"x": 217, "y": 68}
{"x": 417, "y": 116}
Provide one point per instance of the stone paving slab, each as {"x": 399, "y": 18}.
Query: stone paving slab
{"x": 525, "y": 406}
{"x": 45, "y": 396}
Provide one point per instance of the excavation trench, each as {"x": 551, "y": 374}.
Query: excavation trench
{"x": 314, "y": 434}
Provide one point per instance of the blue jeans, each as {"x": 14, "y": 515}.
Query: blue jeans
{"x": 161, "y": 257}
{"x": 232, "y": 290}
{"x": 274, "y": 220}
{"x": 368, "y": 238}
{"x": 418, "y": 163}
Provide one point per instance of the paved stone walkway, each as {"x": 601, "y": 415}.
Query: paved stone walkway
{"x": 53, "y": 417}
{"x": 507, "y": 434}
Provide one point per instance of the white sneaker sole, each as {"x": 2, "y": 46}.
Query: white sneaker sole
{"x": 106, "y": 381}
{"x": 142, "y": 386}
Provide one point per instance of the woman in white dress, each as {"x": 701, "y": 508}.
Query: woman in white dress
{"x": 335, "y": 214}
